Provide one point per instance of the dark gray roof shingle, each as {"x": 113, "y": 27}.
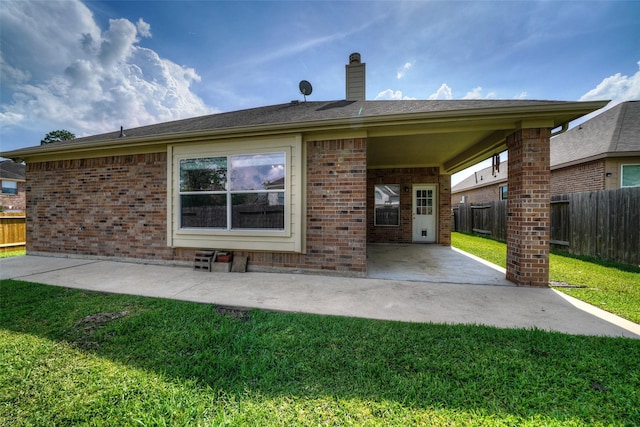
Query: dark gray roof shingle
{"x": 301, "y": 112}
{"x": 482, "y": 178}
{"x": 616, "y": 130}
{"x": 11, "y": 170}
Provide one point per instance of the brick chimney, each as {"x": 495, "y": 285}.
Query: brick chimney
{"x": 355, "y": 78}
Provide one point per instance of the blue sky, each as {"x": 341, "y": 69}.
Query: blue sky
{"x": 93, "y": 66}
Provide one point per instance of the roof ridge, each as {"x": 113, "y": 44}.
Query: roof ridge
{"x": 615, "y": 138}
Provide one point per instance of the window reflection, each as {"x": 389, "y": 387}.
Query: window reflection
{"x": 257, "y": 210}
{"x": 206, "y": 174}
{"x": 203, "y": 210}
{"x": 257, "y": 172}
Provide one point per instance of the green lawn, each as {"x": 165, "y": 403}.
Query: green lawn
{"x": 7, "y": 254}
{"x": 73, "y": 357}
{"x": 610, "y": 286}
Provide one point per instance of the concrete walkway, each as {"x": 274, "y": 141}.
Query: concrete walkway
{"x": 391, "y": 299}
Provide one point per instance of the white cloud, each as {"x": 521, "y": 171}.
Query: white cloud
{"x": 10, "y": 118}
{"x": 476, "y": 93}
{"x": 443, "y": 92}
{"x": 96, "y": 81}
{"x": 390, "y": 94}
{"x": 521, "y": 95}
{"x": 144, "y": 29}
{"x": 616, "y": 88}
{"x": 403, "y": 71}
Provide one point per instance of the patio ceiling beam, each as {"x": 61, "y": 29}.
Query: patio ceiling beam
{"x": 482, "y": 150}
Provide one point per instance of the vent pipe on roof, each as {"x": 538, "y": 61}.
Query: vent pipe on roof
{"x": 122, "y": 135}
{"x": 355, "y": 78}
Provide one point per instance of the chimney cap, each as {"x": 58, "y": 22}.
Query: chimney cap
{"x": 354, "y": 57}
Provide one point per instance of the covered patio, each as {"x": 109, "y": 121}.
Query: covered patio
{"x": 427, "y": 147}
{"x": 431, "y": 263}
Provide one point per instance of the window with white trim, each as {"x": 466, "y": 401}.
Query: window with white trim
{"x": 9, "y": 187}
{"x": 387, "y": 205}
{"x": 630, "y": 176}
{"x": 503, "y": 192}
{"x": 237, "y": 192}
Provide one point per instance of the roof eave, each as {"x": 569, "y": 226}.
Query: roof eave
{"x": 532, "y": 113}
{"x": 600, "y": 156}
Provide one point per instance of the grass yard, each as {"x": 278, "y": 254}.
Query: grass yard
{"x": 12, "y": 253}
{"x": 73, "y": 357}
{"x": 610, "y": 286}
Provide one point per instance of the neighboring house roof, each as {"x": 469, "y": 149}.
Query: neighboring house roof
{"x": 455, "y": 133}
{"x": 613, "y": 133}
{"x": 482, "y": 178}
{"x": 12, "y": 171}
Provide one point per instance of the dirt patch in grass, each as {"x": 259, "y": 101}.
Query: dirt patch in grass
{"x": 234, "y": 312}
{"x": 100, "y": 318}
{"x": 564, "y": 285}
{"x": 86, "y": 327}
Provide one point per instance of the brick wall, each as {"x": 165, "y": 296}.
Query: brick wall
{"x": 583, "y": 177}
{"x": 14, "y": 202}
{"x": 336, "y": 207}
{"x": 445, "y": 212}
{"x": 116, "y": 207}
{"x": 406, "y": 177}
{"x": 489, "y": 193}
{"x": 104, "y": 207}
{"x": 528, "y": 207}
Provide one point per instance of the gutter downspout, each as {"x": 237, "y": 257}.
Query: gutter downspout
{"x": 563, "y": 129}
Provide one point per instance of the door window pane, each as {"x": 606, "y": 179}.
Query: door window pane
{"x": 424, "y": 202}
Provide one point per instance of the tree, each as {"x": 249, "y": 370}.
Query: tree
{"x": 57, "y": 136}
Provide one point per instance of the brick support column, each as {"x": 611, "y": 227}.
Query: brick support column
{"x": 528, "y": 207}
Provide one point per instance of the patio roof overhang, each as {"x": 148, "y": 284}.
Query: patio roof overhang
{"x": 454, "y": 143}
{"x": 451, "y": 139}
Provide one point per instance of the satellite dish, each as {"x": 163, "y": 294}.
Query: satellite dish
{"x": 305, "y": 88}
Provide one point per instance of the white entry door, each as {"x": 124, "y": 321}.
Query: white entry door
{"x": 424, "y": 213}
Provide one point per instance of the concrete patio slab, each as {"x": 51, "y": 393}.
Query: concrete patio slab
{"x": 431, "y": 263}
{"x": 385, "y": 299}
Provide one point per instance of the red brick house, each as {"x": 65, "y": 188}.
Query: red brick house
{"x": 12, "y": 180}
{"x": 602, "y": 153}
{"x": 302, "y": 186}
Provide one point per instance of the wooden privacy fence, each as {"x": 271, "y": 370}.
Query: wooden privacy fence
{"x": 488, "y": 219}
{"x": 601, "y": 224}
{"x": 13, "y": 231}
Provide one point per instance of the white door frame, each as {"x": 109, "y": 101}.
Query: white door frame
{"x": 424, "y": 224}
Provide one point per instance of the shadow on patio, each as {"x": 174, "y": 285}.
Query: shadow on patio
{"x": 430, "y": 263}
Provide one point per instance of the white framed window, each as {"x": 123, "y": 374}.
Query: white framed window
{"x": 387, "y": 205}
{"x": 237, "y": 192}
{"x": 9, "y": 187}
{"x": 503, "y": 192}
{"x": 630, "y": 176}
{"x": 237, "y": 195}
